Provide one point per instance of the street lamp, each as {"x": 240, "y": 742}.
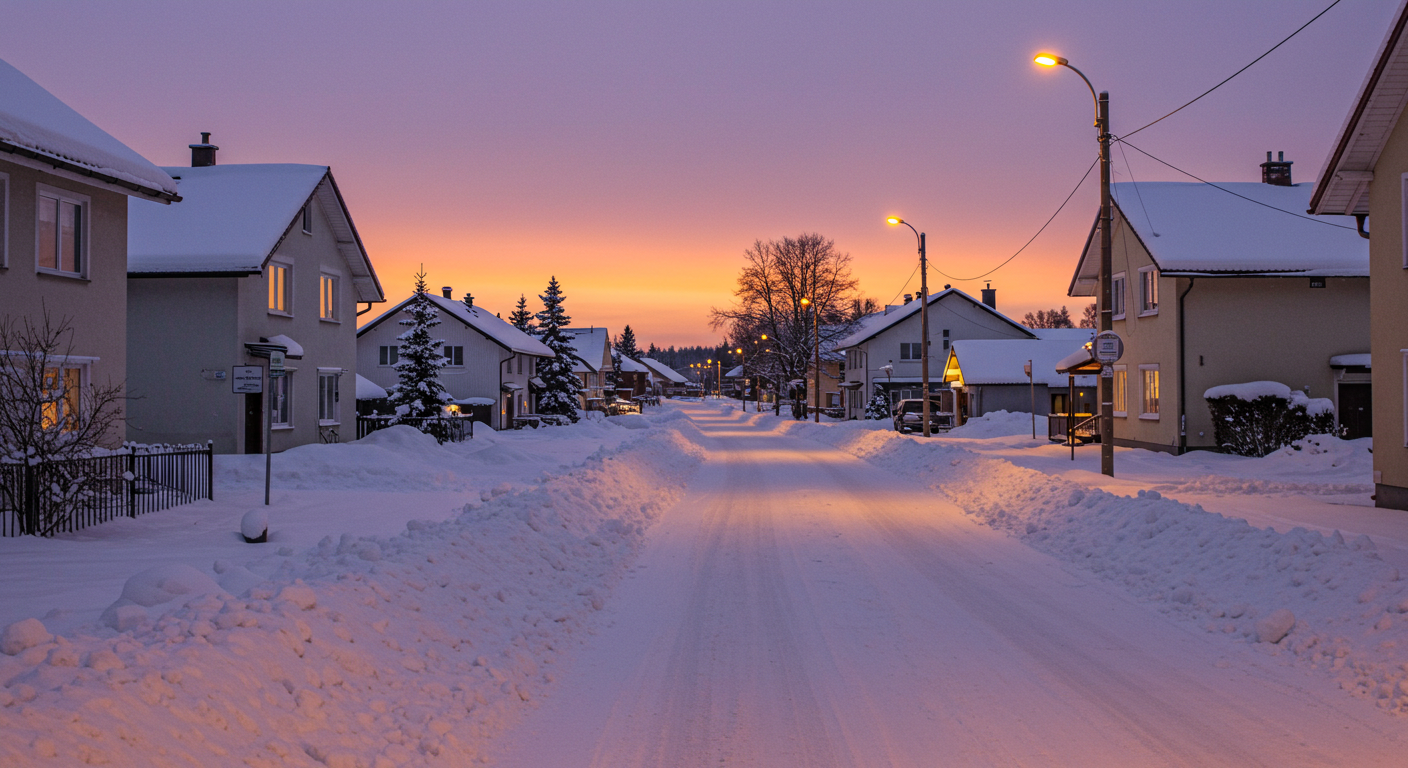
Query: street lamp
{"x": 923, "y": 313}
{"x": 1102, "y": 130}
{"x": 816, "y": 364}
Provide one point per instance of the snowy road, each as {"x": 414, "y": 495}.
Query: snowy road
{"x": 802, "y": 608}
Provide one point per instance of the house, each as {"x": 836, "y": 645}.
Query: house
{"x": 491, "y": 366}
{"x": 990, "y": 374}
{"x": 64, "y": 187}
{"x": 592, "y": 363}
{"x": 667, "y": 381}
{"x": 1364, "y": 177}
{"x": 1221, "y": 285}
{"x": 633, "y": 379}
{"x": 257, "y": 259}
{"x": 885, "y": 350}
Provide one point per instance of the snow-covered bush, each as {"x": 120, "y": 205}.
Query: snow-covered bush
{"x": 878, "y": 407}
{"x": 1260, "y": 417}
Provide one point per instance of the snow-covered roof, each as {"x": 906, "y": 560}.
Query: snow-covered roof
{"x": 874, "y": 324}
{"x": 630, "y": 365}
{"x": 1002, "y": 361}
{"x": 35, "y": 124}
{"x": 369, "y": 390}
{"x": 665, "y": 371}
{"x": 590, "y": 345}
{"x": 480, "y": 319}
{"x": 293, "y": 348}
{"x": 1075, "y": 335}
{"x": 1358, "y": 360}
{"x": 734, "y": 372}
{"x": 1198, "y": 229}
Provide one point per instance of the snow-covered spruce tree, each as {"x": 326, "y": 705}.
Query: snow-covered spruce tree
{"x": 520, "y": 317}
{"x": 420, "y": 359}
{"x": 878, "y": 407}
{"x": 561, "y": 387}
{"x": 626, "y": 344}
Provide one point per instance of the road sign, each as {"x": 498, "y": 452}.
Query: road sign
{"x": 276, "y": 360}
{"x": 1027, "y": 367}
{"x": 248, "y": 380}
{"x": 1108, "y": 347}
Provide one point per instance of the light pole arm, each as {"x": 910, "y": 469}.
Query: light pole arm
{"x": 1093, "y": 97}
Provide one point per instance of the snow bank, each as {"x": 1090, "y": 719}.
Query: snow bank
{"x": 1000, "y": 424}
{"x": 1347, "y": 609}
{"x": 363, "y": 651}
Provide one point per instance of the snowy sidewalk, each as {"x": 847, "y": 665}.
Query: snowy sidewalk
{"x": 803, "y": 607}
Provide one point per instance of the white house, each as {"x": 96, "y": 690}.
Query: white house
{"x": 666, "y": 380}
{"x": 491, "y": 366}
{"x": 592, "y": 361}
{"x": 256, "y": 258}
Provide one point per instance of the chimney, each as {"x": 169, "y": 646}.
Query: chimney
{"x": 203, "y": 154}
{"x": 990, "y": 296}
{"x": 1276, "y": 172}
{"x": 469, "y": 299}
{"x": 908, "y": 297}
{"x": 447, "y": 292}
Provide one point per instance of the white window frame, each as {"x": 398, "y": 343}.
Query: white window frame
{"x": 1119, "y": 384}
{"x": 85, "y": 215}
{"x": 307, "y": 216}
{"x": 84, "y": 366}
{"x": 269, "y": 272}
{"x": 1153, "y": 282}
{"x": 327, "y": 304}
{"x": 5, "y": 220}
{"x": 1119, "y": 292}
{"x": 287, "y": 386}
{"x": 447, "y": 350}
{"x": 1144, "y": 392}
{"x": 328, "y": 413}
{"x": 389, "y": 352}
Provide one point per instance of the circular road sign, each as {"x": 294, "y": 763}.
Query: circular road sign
{"x": 1108, "y": 347}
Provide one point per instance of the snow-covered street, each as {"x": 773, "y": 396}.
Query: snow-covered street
{"x": 802, "y": 607}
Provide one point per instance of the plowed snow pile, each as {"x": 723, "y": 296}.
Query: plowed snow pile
{"x": 1319, "y": 600}
{"x": 392, "y": 651}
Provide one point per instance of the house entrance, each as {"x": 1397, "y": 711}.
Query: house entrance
{"x": 253, "y": 423}
{"x": 1356, "y": 410}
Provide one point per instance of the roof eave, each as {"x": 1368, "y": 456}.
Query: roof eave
{"x": 125, "y": 186}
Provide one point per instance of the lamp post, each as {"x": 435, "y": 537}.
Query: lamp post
{"x": 1102, "y": 130}
{"x": 923, "y": 314}
{"x": 816, "y": 362}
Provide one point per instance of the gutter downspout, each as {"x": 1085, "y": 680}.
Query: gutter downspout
{"x": 1183, "y": 373}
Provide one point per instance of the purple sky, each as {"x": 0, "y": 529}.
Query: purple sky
{"x": 635, "y": 149}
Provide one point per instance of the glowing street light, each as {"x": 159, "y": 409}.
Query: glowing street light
{"x": 923, "y": 314}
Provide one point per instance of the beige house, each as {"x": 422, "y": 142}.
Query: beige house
{"x": 591, "y": 363}
{"x": 64, "y": 186}
{"x": 256, "y": 258}
{"x": 491, "y": 367}
{"x": 1366, "y": 176}
{"x": 1222, "y": 285}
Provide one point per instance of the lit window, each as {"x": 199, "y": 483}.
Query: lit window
{"x": 60, "y": 233}
{"x": 327, "y": 397}
{"x": 1117, "y": 290}
{"x": 1148, "y": 291}
{"x": 1119, "y": 387}
{"x": 1150, "y": 376}
{"x": 63, "y": 387}
{"x": 281, "y": 392}
{"x": 388, "y": 355}
{"x": 327, "y": 303}
{"x": 279, "y": 294}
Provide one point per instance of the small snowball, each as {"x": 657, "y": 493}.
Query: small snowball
{"x": 254, "y": 526}
{"x": 23, "y": 635}
{"x": 1275, "y": 626}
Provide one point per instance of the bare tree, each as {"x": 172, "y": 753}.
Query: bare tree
{"x": 49, "y": 416}
{"x": 1052, "y": 318}
{"x": 776, "y": 276}
{"x": 1090, "y": 318}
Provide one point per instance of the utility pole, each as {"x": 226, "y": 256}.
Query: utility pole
{"x": 1107, "y": 374}
{"x": 924, "y": 326}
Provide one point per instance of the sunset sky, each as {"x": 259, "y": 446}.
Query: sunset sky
{"x": 634, "y": 150}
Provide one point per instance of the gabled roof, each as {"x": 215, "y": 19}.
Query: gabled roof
{"x": 1196, "y": 229}
{"x": 34, "y": 124}
{"x": 1003, "y": 361}
{"x": 662, "y": 370}
{"x": 479, "y": 319}
{"x": 1344, "y": 180}
{"x": 629, "y": 365}
{"x": 874, "y": 324}
{"x": 734, "y": 372}
{"x": 233, "y": 218}
{"x": 591, "y": 346}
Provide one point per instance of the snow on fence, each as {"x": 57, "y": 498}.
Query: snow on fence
{"x": 52, "y": 497}
{"x": 443, "y": 429}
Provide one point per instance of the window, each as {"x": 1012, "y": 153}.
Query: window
{"x": 60, "y": 233}
{"x": 520, "y": 363}
{"x": 281, "y": 392}
{"x": 945, "y": 339}
{"x": 63, "y": 386}
{"x": 1148, "y": 291}
{"x": 911, "y": 351}
{"x": 327, "y": 396}
{"x": 327, "y": 301}
{"x": 1405, "y": 397}
{"x": 454, "y": 355}
{"x": 1119, "y": 387}
{"x": 307, "y": 219}
{"x": 1149, "y": 374}
{"x": 280, "y": 297}
{"x": 387, "y": 355}
{"x": 4, "y": 220}
{"x": 1117, "y": 291}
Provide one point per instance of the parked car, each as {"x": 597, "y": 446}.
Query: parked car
{"x": 909, "y": 416}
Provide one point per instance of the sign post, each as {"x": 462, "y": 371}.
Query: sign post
{"x": 1107, "y": 349}
{"x": 276, "y": 371}
{"x": 1031, "y": 384}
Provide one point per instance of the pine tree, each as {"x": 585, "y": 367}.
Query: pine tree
{"x": 878, "y": 407}
{"x": 626, "y": 344}
{"x": 561, "y": 386}
{"x": 420, "y": 359}
{"x": 520, "y": 317}
{"x": 653, "y": 352}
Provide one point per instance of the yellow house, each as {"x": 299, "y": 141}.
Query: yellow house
{"x": 1365, "y": 177}
{"x": 1224, "y": 284}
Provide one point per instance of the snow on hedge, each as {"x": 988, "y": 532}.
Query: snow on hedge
{"x": 1252, "y": 390}
{"x": 1349, "y": 609}
{"x": 363, "y": 651}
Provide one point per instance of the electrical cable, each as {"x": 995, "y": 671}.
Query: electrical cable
{"x": 1240, "y": 71}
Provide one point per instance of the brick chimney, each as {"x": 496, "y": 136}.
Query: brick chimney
{"x": 1276, "y": 172}
{"x": 990, "y": 296}
{"x": 203, "y": 154}
{"x": 908, "y": 297}
{"x": 447, "y": 292}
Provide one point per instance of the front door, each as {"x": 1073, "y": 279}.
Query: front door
{"x": 253, "y": 423}
{"x": 1356, "y": 410}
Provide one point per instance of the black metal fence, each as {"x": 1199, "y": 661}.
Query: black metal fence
{"x": 1084, "y": 428}
{"x": 443, "y": 429}
{"x": 61, "y": 496}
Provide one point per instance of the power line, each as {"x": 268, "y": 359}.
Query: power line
{"x": 906, "y": 284}
{"x": 1240, "y": 71}
{"x": 1033, "y": 237}
{"x": 1315, "y": 219}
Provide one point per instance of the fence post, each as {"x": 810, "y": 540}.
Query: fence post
{"x": 30, "y": 505}
{"x": 210, "y": 469}
{"x": 132, "y": 484}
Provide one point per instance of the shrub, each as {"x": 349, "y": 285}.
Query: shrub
{"x": 1259, "y": 417}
